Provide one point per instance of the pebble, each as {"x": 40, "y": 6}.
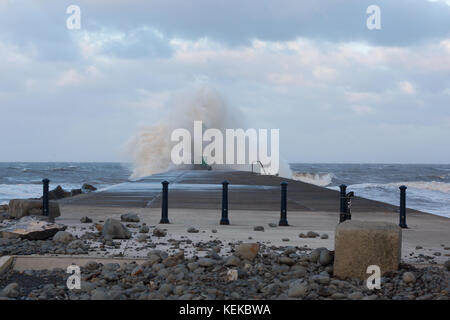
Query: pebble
{"x": 10, "y": 291}
{"x": 192, "y": 230}
{"x": 129, "y": 217}
{"x": 63, "y": 236}
{"x": 247, "y": 251}
{"x": 258, "y": 228}
{"x": 86, "y": 219}
{"x": 272, "y": 225}
{"x": 408, "y": 277}
{"x": 159, "y": 233}
{"x": 447, "y": 265}
{"x": 298, "y": 290}
{"x": 312, "y": 234}
{"x": 324, "y": 236}
{"x": 325, "y": 257}
{"x": 144, "y": 229}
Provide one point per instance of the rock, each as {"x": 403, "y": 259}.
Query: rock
{"x": 312, "y": 234}
{"x": 4, "y": 208}
{"x": 298, "y": 290}
{"x": 144, "y": 229}
{"x": 63, "y": 237}
{"x": 58, "y": 193}
{"x": 214, "y": 230}
{"x": 99, "y": 294}
{"x": 258, "y": 228}
{"x": 113, "y": 229}
{"x": 75, "y": 192}
{"x": 272, "y": 225}
{"x": 315, "y": 254}
{"x": 159, "y": 233}
{"x": 302, "y": 235}
{"x": 447, "y": 265}
{"x": 98, "y": 226}
{"x": 322, "y": 278}
{"x": 360, "y": 244}
{"x": 324, "y": 236}
{"x": 247, "y": 251}
{"x": 129, "y": 217}
{"x": 192, "y": 230}
{"x": 285, "y": 239}
{"x": 232, "y": 261}
{"x": 88, "y": 188}
{"x": 86, "y": 220}
{"x": 31, "y": 228}
{"x": 206, "y": 262}
{"x": 286, "y": 260}
{"x": 10, "y": 291}
{"x": 142, "y": 238}
{"x": 408, "y": 277}
{"x": 325, "y": 257}
{"x": 19, "y": 208}
{"x": 355, "y": 295}
{"x": 419, "y": 247}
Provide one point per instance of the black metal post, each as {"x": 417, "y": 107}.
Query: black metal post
{"x": 402, "y": 223}
{"x": 45, "y": 210}
{"x": 164, "y": 206}
{"x": 283, "y": 213}
{"x": 343, "y": 207}
{"x": 224, "y": 220}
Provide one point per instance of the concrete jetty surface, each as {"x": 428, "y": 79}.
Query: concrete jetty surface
{"x": 202, "y": 189}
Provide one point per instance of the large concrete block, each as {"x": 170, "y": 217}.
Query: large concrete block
{"x": 19, "y": 208}
{"x": 359, "y": 244}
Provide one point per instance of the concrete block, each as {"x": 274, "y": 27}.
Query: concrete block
{"x": 5, "y": 262}
{"x": 359, "y": 244}
{"x": 19, "y": 208}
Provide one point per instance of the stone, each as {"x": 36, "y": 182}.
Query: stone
{"x": 10, "y": 291}
{"x": 355, "y": 295}
{"x": 129, "y": 217}
{"x": 447, "y": 265}
{"x": 258, "y": 228}
{"x": 325, "y": 257}
{"x": 287, "y": 261}
{"x": 159, "y": 233}
{"x": 31, "y": 228}
{"x": 359, "y": 244}
{"x": 192, "y": 230}
{"x": 315, "y": 254}
{"x": 141, "y": 238}
{"x": 113, "y": 229}
{"x": 312, "y": 234}
{"x": 58, "y": 193}
{"x": 144, "y": 229}
{"x": 99, "y": 294}
{"x": 63, "y": 237}
{"x": 86, "y": 220}
{"x": 324, "y": 236}
{"x": 298, "y": 290}
{"x": 247, "y": 251}
{"x": 232, "y": 261}
{"x": 206, "y": 262}
{"x": 19, "y": 208}
{"x": 272, "y": 225}
{"x": 75, "y": 192}
{"x": 86, "y": 187}
{"x": 409, "y": 277}
{"x": 214, "y": 230}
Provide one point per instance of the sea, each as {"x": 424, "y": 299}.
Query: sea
{"x": 428, "y": 185}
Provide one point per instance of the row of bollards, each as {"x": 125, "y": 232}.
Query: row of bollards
{"x": 346, "y": 200}
{"x": 344, "y": 211}
{"x": 224, "y": 217}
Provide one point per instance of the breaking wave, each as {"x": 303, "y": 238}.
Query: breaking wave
{"x": 318, "y": 179}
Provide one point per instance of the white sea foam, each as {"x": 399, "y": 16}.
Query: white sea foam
{"x": 25, "y": 191}
{"x": 150, "y": 149}
{"x": 318, "y": 179}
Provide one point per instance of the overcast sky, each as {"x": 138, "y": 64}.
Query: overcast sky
{"x": 337, "y": 91}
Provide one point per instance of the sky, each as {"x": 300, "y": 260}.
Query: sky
{"x": 338, "y": 91}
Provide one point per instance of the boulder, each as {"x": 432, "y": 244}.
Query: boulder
{"x": 86, "y": 219}
{"x": 359, "y": 244}
{"x": 19, "y": 208}
{"x": 32, "y": 228}
{"x": 113, "y": 229}
{"x": 58, "y": 193}
{"x": 75, "y": 192}
{"x": 129, "y": 217}
{"x": 63, "y": 237}
{"x": 86, "y": 187}
{"x": 247, "y": 251}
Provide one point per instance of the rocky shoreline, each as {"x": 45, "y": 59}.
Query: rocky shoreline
{"x": 186, "y": 269}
